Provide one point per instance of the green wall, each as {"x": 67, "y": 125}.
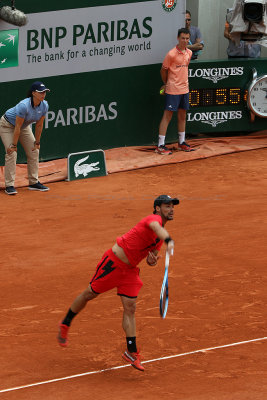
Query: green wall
{"x": 110, "y": 106}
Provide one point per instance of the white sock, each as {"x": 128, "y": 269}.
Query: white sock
{"x": 161, "y": 140}
{"x": 181, "y": 136}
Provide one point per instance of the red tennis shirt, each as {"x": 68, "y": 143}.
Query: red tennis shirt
{"x": 140, "y": 240}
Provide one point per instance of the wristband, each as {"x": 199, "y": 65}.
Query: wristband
{"x": 14, "y": 146}
{"x": 167, "y": 240}
{"x": 38, "y": 143}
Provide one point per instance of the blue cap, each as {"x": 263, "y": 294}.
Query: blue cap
{"x": 39, "y": 87}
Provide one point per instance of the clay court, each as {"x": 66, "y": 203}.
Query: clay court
{"x": 51, "y": 243}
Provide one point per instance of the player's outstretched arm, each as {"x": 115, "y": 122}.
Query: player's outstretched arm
{"x": 162, "y": 234}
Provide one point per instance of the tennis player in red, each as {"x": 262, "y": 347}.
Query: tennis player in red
{"x": 118, "y": 268}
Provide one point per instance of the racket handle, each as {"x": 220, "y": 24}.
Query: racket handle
{"x": 170, "y": 252}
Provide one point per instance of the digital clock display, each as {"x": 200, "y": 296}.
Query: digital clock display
{"x": 217, "y": 97}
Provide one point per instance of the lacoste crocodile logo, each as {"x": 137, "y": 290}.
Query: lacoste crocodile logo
{"x": 85, "y": 169}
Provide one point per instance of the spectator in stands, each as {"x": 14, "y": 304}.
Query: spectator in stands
{"x": 15, "y": 125}
{"x": 244, "y": 49}
{"x": 196, "y": 43}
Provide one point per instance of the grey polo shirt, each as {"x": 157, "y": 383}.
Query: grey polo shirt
{"x": 194, "y": 35}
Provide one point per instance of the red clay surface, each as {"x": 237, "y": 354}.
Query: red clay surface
{"x": 136, "y": 157}
{"x": 51, "y": 243}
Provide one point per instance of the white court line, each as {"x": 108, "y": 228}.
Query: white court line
{"x": 128, "y": 365}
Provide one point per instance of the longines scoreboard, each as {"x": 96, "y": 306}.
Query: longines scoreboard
{"x": 227, "y": 96}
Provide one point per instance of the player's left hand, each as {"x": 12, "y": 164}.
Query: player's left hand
{"x": 152, "y": 259}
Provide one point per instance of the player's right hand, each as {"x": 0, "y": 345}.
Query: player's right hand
{"x": 170, "y": 247}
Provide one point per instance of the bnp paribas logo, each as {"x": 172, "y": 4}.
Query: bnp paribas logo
{"x": 9, "y": 48}
{"x": 168, "y": 5}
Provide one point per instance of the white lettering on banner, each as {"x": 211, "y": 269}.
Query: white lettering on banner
{"x": 215, "y": 74}
{"x": 214, "y": 118}
{"x": 94, "y": 39}
{"x": 94, "y": 33}
{"x": 81, "y": 115}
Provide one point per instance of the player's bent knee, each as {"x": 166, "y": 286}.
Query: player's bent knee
{"x": 88, "y": 294}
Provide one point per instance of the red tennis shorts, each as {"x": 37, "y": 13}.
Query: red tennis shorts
{"x": 111, "y": 272}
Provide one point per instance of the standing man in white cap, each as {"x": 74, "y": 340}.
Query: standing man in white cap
{"x": 15, "y": 125}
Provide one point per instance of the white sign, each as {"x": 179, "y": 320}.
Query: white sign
{"x": 214, "y": 118}
{"x": 96, "y": 38}
{"x": 215, "y": 74}
{"x": 85, "y": 169}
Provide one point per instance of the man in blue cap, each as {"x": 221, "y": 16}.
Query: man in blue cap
{"x": 15, "y": 125}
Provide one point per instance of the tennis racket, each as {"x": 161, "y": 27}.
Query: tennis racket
{"x": 164, "y": 294}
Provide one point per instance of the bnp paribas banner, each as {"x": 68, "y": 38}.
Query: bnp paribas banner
{"x": 90, "y": 39}
{"x": 102, "y": 65}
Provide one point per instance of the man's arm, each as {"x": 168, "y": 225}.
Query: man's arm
{"x": 226, "y": 33}
{"x": 38, "y": 132}
{"x": 196, "y": 46}
{"x": 39, "y": 128}
{"x": 16, "y": 134}
{"x": 164, "y": 75}
{"x": 162, "y": 234}
{"x": 19, "y": 122}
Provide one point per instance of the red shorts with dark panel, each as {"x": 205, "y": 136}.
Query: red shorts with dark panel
{"x": 111, "y": 272}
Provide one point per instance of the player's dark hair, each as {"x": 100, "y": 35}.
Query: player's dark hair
{"x": 188, "y": 12}
{"x": 183, "y": 30}
{"x": 29, "y": 94}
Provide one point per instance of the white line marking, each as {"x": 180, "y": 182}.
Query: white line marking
{"x": 128, "y": 365}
